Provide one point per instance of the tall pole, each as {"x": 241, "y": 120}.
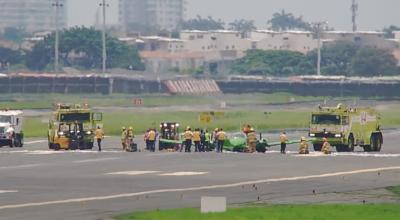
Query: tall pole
{"x": 318, "y": 27}
{"x": 319, "y": 51}
{"x": 104, "y": 5}
{"x": 56, "y": 5}
{"x": 354, "y": 13}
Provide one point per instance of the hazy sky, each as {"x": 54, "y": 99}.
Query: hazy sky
{"x": 373, "y": 14}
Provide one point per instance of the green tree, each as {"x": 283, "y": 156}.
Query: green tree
{"x": 82, "y": 47}
{"x": 273, "y": 62}
{"x": 336, "y": 58}
{"x": 9, "y": 57}
{"x": 203, "y": 24}
{"x": 370, "y": 61}
{"x": 282, "y": 21}
{"x": 243, "y": 26}
{"x": 16, "y": 35}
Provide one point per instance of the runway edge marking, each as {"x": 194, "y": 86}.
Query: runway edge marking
{"x": 127, "y": 195}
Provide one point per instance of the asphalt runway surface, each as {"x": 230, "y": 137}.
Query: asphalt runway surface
{"x": 36, "y": 183}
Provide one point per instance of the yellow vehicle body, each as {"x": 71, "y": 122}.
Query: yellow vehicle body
{"x": 72, "y": 127}
{"x": 346, "y": 127}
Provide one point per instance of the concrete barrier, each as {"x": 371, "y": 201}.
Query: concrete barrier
{"x": 213, "y": 204}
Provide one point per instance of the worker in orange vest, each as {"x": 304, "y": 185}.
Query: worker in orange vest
{"x": 99, "y": 136}
{"x": 188, "y": 139}
{"x": 197, "y": 139}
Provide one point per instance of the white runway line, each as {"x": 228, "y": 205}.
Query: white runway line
{"x": 132, "y": 173}
{"x": 35, "y": 142}
{"x": 8, "y": 191}
{"x": 183, "y": 174}
{"x": 43, "y": 152}
{"x": 20, "y": 166}
{"x": 191, "y": 189}
{"x": 366, "y": 155}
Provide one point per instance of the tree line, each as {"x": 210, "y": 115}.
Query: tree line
{"x": 340, "y": 58}
{"x": 80, "y": 47}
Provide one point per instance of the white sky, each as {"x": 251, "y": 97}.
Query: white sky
{"x": 374, "y": 14}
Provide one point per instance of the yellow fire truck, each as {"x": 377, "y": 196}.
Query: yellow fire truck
{"x": 72, "y": 127}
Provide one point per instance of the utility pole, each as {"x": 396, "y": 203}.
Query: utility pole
{"x": 318, "y": 26}
{"x": 104, "y": 5}
{"x": 56, "y": 5}
{"x": 354, "y": 14}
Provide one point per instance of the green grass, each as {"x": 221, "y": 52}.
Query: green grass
{"x": 394, "y": 189}
{"x": 45, "y": 101}
{"x": 232, "y": 121}
{"x": 278, "y": 212}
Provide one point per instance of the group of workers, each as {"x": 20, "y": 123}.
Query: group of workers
{"x": 203, "y": 141}
{"x": 127, "y": 137}
{"x": 326, "y": 146}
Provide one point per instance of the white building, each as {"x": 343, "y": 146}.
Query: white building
{"x": 32, "y": 15}
{"x": 299, "y": 41}
{"x": 362, "y": 38}
{"x": 214, "y": 41}
{"x": 163, "y": 14}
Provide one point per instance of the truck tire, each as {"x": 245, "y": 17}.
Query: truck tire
{"x": 350, "y": 142}
{"x": 317, "y": 147}
{"x": 56, "y": 147}
{"x": 376, "y": 144}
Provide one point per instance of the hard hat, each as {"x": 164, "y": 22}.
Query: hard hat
{"x": 303, "y": 139}
{"x": 216, "y": 129}
{"x": 252, "y": 129}
{"x": 324, "y": 139}
{"x": 188, "y": 127}
{"x": 130, "y": 128}
{"x": 123, "y": 128}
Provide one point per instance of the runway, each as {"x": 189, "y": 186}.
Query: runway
{"x": 36, "y": 183}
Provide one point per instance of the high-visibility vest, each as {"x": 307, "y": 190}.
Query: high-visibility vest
{"x": 188, "y": 135}
{"x": 221, "y": 136}
{"x": 123, "y": 135}
{"x": 252, "y": 137}
{"x": 283, "y": 138}
{"x": 152, "y": 136}
{"x": 196, "y": 136}
{"x": 208, "y": 137}
{"x": 99, "y": 134}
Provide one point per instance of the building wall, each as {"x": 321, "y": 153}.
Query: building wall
{"x": 371, "y": 39}
{"x": 302, "y": 42}
{"x": 32, "y": 15}
{"x": 207, "y": 41}
{"x": 164, "y": 14}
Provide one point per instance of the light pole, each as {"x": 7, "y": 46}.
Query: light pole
{"x": 319, "y": 28}
{"x": 56, "y": 5}
{"x": 104, "y": 64}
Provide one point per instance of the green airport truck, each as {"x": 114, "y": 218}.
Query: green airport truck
{"x": 346, "y": 127}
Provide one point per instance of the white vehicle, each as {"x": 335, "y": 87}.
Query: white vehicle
{"x": 11, "y": 129}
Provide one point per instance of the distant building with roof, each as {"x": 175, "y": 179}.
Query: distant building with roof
{"x": 162, "y": 14}
{"x": 32, "y": 15}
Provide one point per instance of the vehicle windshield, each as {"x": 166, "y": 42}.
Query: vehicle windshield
{"x": 5, "y": 119}
{"x": 326, "y": 119}
{"x": 71, "y": 117}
